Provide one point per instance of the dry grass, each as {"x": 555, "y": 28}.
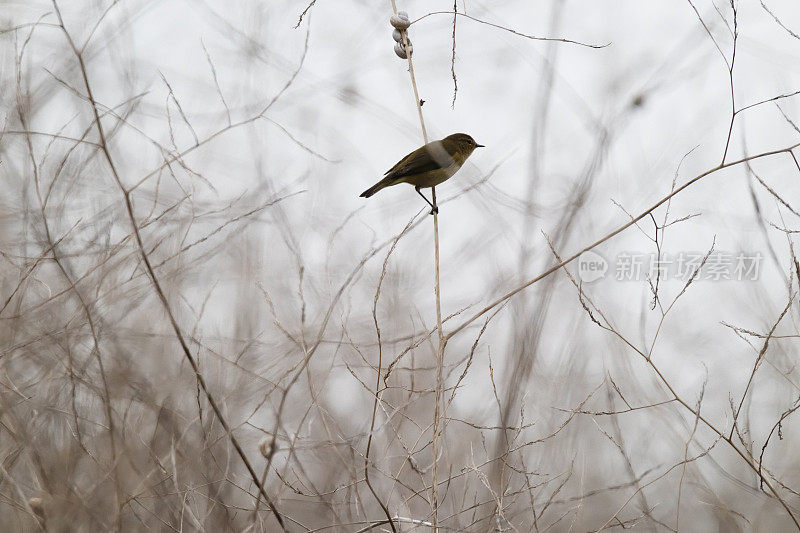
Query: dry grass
{"x": 197, "y": 332}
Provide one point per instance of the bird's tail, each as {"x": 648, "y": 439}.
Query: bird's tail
{"x": 385, "y": 182}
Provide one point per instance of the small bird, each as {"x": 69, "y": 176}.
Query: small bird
{"x": 429, "y": 165}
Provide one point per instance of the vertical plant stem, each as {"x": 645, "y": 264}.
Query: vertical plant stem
{"x": 437, "y": 414}
{"x": 378, "y": 391}
{"x": 437, "y": 292}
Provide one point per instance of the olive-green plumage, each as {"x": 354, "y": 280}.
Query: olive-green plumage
{"x": 429, "y": 165}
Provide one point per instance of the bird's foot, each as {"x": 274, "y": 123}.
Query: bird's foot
{"x": 434, "y": 211}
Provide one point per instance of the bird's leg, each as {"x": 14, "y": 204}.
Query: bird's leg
{"x": 434, "y": 209}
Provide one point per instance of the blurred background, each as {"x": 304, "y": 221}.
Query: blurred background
{"x": 180, "y": 187}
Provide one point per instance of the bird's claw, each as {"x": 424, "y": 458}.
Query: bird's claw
{"x": 434, "y": 211}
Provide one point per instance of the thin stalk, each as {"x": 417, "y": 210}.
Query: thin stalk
{"x": 437, "y": 415}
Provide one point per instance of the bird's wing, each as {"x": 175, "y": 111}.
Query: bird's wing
{"x": 432, "y": 156}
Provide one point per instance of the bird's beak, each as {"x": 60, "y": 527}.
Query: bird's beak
{"x": 480, "y": 146}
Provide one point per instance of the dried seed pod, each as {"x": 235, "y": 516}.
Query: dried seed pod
{"x": 397, "y": 35}
{"x": 37, "y": 506}
{"x": 401, "y": 52}
{"x": 267, "y": 447}
{"x": 402, "y": 14}
{"x": 399, "y": 22}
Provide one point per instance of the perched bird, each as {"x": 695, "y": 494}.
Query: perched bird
{"x": 428, "y": 166}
